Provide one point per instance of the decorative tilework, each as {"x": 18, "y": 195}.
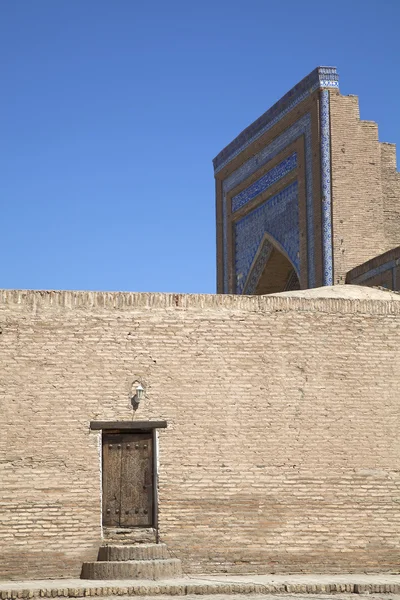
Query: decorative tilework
{"x": 258, "y": 266}
{"x": 327, "y": 258}
{"x": 279, "y": 218}
{"x": 299, "y": 128}
{"x": 262, "y": 184}
{"x": 321, "y": 77}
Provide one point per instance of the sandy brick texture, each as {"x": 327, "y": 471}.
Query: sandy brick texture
{"x": 282, "y": 450}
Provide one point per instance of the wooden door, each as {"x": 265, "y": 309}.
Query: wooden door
{"x": 127, "y": 480}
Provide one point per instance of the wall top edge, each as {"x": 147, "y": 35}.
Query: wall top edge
{"x": 319, "y": 78}
{"x": 377, "y": 261}
{"x": 38, "y": 301}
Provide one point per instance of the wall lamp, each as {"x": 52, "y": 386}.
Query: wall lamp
{"x": 139, "y": 395}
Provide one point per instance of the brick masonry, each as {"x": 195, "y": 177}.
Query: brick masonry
{"x": 279, "y": 456}
{"x": 382, "y": 271}
{"x": 365, "y": 189}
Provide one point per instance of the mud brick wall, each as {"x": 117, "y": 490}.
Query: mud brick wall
{"x": 357, "y": 201}
{"x": 381, "y": 271}
{"x": 281, "y": 453}
{"x": 391, "y": 193}
{"x": 365, "y": 188}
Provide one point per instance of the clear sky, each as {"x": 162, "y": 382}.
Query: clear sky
{"x": 112, "y": 111}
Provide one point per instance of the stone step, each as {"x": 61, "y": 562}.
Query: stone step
{"x": 133, "y": 569}
{"x": 118, "y": 536}
{"x": 137, "y": 552}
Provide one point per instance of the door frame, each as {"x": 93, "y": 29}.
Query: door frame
{"x": 138, "y": 427}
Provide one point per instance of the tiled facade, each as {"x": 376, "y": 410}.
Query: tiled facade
{"x": 275, "y": 120}
{"x": 262, "y": 184}
{"x": 348, "y": 200}
{"x": 279, "y": 219}
{"x": 300, "y": 129}
{"x": 321, "y": 77}
{"x": 249, "y": 285}
{"x": 326, "y": 197}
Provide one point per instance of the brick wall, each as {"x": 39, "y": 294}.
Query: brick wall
{"x": 391, "y": 194}
{"x": 357, "y": 202}
{"x": 365, "y": 188}
{"x": 282, "y": 451}
{"x": 382, "y": 271}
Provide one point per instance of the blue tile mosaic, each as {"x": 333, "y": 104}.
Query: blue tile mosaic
{"x": 256, "y": 270}
{"x": 278, "y": 217}
{"x": 302, "y": 127}
{"x": 319, "y": 78}
{"x": 262, "y": 184}
{"x": 327, "y": 258}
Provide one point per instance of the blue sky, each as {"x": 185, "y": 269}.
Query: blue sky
{"x": 112, "y": 111}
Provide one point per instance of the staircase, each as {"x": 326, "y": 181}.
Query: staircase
{"x": 138, "y": 561}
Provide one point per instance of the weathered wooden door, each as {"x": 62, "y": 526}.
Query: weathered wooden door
{"x": 127, "y": 480}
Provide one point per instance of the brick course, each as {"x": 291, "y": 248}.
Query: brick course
{"x": 282, "y": 450}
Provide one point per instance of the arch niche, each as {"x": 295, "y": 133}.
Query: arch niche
{"x": 272, "y": 271}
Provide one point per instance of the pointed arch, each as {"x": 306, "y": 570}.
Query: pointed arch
{"x": 276, "y": 222}
{"x": 272, "y": 270}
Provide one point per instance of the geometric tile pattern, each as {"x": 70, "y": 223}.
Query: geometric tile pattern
{"x": 300, "y": 128}
{"x": 260, "y": 260}
{"x": 320, "y": 78}
{"x": 278, "y": 217}
{"x": 326, "y": 215}
{"x": 262, "y": 184}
